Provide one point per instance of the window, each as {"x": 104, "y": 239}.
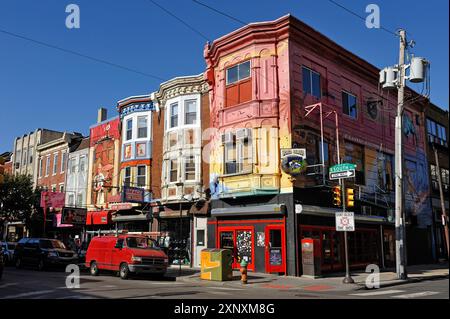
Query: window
{"x": 435, "y": 181}
{"x": 385, "y": 171}
{"x": 30, "y": 154}
{"x": 173, "y": 115}
{"x": 82, "y": 166}
{"x": 63, "y": 161}
{"x": 445, "y": 179}
{"x": 190, "y": 109}
{"x": 349, "y": 105}
{"x": 239, "y": 84}
{"x": 129, "y": 130}
{"x": 71, "y": 200}
{"x": 55, "y": 163}
{"x": 73, "y": 165}
{"x": 142, "y": 126}
{"x": 354, "y": 154}
{"x": 80, "y": 199}
{"x": 173, "y": 171}
{"x": 40, "y": 167}
{"x": 238, "y": 72}
{"x": 18, "y": 158}
{"x": 436, "y": 133}
{"x": 189, "y": 168}
{"x": 53, "y": 188}
{"x": 140, "y": 177}
{"x": 127, "y": 176}
{"x": 238, "y": 152}
{"x": 47, "y": 165}
{"x": 61, "y": 188}
{"x": 311, "y": 82}
{"x": 25, "y": 157}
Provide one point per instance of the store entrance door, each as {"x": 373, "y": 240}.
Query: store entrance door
{"x": 240, "y": 241}
{"x": 275, "y": 249}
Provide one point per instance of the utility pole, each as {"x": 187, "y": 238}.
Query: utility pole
{"x": 441, "y": 194}
{"x": 400, "y": 236}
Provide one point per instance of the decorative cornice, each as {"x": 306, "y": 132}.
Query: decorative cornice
{"x": 181, "y": 86}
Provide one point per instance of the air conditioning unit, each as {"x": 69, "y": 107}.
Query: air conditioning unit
{"x": 227, "y": 138}
{"x": 244, "y": 133}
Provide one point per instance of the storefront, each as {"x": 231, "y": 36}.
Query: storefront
{"x": 256, "y": 234}
{"x": 372, "y": 242}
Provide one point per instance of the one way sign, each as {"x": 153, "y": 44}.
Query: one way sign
{"x": 344, "y": 174}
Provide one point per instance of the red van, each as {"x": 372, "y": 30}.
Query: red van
{"x": 126, "y": 254}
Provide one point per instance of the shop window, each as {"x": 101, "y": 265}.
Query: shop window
{"x": 349, "y": 105}
{"x": 173, "y": 171}
{"x": 311, "y": 82}
{"x": 238, "y": 84}
{"x": 173, "y": 115}
{"x": 354, "y": 154}
{"x": 140, "y": 176}
{"x": 127, "y": 177}
{"x": 189, "y": 168}
{"x": 142, "y": 126}
{"x": 129, "y": 129}
{"x": 190, "y": 110}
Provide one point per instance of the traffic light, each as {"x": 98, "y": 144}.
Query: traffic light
{"x": 350, "y": 197}
{"x": 337, "y": 196}
{"x": 2, "y": 170}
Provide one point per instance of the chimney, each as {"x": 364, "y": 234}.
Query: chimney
{"x": 102, "y": 114}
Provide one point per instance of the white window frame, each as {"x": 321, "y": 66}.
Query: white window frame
{"x": 61, "y": 185}
{"x": 63, "y": 161}
{"x": 40, "y": 167}
{"x": 125, "y": 176}
{"x": 169, "y": 171}
{"x": 55, "y": 164}
{"x": 129, "y": 120}
{"x": 180, "y": 100}
{"x": 137, "y": 176}
{"x": 82, "y": 159}
{"x": 137, "y": 126}
{"x": 47, "y": 165}
{"x": 185, "y": 161}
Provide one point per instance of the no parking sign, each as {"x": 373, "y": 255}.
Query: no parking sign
{"x": 345, "y": 221}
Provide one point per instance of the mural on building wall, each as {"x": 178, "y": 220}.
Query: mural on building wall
{"x": 103, "y": 138}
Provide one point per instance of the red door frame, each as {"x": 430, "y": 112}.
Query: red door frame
{"x": 282, "y": 267}
{"x": 234, "y": 229}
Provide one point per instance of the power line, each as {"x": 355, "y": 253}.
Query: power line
{"x": 180, "y": 20}
{"x": 52, "y": 46}
{"x": 221, "y": 12}
{"x": 359, "y": 16}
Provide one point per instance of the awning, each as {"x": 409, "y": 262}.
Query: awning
{"x": 249, "y": 210}
{"x": 331, "y": 212}
{"x": 130, "y": 218}
{"x": 102, "y": 217}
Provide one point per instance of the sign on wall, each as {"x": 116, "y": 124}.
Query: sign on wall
{"x": 345, "y": 221}
{"x": 293, "y": 161}
{"x": 74, "y": 216}
{"x": 132, "y": 195}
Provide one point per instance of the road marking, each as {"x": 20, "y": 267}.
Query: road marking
{"x": 8, "y": 285}
{"x": 226, "y": 288}
{"x": 29, "y": 294}
{"x": 217, "y": 293}
{"x": 377, "y": 293}
{"x": 417, "y": 294}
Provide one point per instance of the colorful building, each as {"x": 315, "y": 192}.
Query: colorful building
{"x": 103, "y": 175}
{"x": 264, "y": 80}
{"x": 184, "y": 182}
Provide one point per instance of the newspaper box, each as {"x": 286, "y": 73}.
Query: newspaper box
{"x": 216, "y": 264}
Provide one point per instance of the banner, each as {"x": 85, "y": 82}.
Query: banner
{"x": 74, "y": 216}
{"x": 132, "y": 195}
{"x": 52, "y": 199}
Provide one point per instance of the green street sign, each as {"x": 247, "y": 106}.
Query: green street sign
{"x": 342, "y": 167}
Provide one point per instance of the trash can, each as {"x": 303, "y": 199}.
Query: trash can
{"x": 216, "y": 264}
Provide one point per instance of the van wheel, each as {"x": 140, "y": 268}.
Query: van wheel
{"x": 18, "y": 263}
{"x": 93, "y": 269}
{"x": 41, "y": 264}
{"x": 124, "y": 271}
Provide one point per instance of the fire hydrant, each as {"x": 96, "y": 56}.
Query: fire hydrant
{"x": 243, "y": 271}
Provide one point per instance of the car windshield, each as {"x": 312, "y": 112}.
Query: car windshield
{"x": 141, "y": 242}
{"x": 49, "y": 244}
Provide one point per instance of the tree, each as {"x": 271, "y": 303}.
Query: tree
{"x": 18, "y": 199}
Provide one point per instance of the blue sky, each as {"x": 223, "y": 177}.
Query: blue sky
{"x": 42, "y": 87}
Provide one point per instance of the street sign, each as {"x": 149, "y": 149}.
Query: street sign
{"x": 342, "y": 167}
{"x": 344, "y": 174}
{"x": 345, "y": 221}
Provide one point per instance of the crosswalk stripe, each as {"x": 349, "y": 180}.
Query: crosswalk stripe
{"x": 377, "y": 293}
{"x": 28, "y": 294}
{"x": 417, "y": 295}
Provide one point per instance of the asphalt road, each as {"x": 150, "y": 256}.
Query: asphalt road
{"x": 30, "y": 283}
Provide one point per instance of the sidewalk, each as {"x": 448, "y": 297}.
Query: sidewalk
{"x": 332, "y": 282}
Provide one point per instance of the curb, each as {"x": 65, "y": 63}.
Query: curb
{"x": 398, "y": 282}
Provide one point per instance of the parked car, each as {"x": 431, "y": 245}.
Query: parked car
{"x": 43, "y": 252}
{"x": 126, "y": 254}
{"x": 8, "y": 251}
{"x": 2, "y": 262}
